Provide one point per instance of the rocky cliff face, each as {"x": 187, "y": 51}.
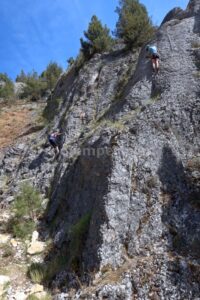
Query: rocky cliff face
{"x": 129, "y": 168}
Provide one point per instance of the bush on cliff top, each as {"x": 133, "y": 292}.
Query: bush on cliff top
{"x": 134, "y": 25}
{"x": 97, "y": 37}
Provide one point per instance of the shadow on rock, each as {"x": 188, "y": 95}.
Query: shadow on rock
{"x": 181, "y": 213}
{"x": 197, "y": 22}
{"x": 39, "y": 160}
{"x": 75, "y": 215}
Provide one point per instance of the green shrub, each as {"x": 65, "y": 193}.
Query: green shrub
{"x": 195, "y": 44}
{"x": 36, "y": 272}
{"x": 77, "y": 237}
{"x": 34, "y": 297}
{"x": 23, "y": 229}
{"x": 27, "y": 202}
{"x": 51, "y": 75}
{"x": 196, "y": 74}
{"x": 35, "y": 87}
{"x": 54, "y": 266}
{"x": 21, "y": 77}
{"x": 97, "y": 40}
{"x": 26, "y": 208}
{"x": 6, "y": 87}
{"x": 134, "y": 25}
{"x": 44, "y": 273}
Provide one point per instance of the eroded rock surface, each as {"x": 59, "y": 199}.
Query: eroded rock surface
{"x": 129, "y": 167}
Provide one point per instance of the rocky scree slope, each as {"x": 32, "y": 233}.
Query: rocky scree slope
{"x": 130, "y": 167}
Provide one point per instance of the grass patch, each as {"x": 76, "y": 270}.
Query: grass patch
{"x": 55, "y": 266}
{"x": 195, "y": 44}
{"x": 22, "y": 230}
{"x": 36, "y": 272}
{"x": 78, "y": 236}
{"x": 118, "y": 124}
{"x": 154, "y": 98}
{"x": 105, "y": 269}
{"x": 44, "y": 273}
{"x": 26, "y": 208}
{"x": 196, "y": 74}
{"x": 34, "y": 297}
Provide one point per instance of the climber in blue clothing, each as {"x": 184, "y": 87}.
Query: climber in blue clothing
{"x": 153, "y": 54}
{"x": 53, "y": 140}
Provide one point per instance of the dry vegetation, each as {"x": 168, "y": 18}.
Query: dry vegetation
{"x": 15, "y": 120}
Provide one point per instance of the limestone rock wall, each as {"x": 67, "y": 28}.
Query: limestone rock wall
{"x": 130, "y": 159}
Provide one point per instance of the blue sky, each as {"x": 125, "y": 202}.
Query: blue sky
{"x": 33, "y": 33}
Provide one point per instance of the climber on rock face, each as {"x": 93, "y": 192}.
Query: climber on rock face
{"x": 53, "y": 140}
{"x": 153, "y": 55}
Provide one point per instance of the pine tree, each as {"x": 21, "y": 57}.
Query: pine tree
{"x": 34, "y": 88}
{"x": 97, "y": 37}
{"x": 134, "y": 25}
{"x": 6, "y": 87}
{"x": 51, "y": 74}
{"x": 21, "y": 77}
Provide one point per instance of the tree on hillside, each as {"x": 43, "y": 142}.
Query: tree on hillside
{"x": 134, "y": 25}
{"x": 34, "y": 88}
{"x": 97, "y": 37}
{"x": 37, "y": 86}
{"x": 51, "y": 74}
{"x": 6, "y": 87}
{"x": 21, "y": 77}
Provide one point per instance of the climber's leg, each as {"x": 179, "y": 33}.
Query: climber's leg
{"x": 157, "y": 64}
{"x": 153, "y": 60}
